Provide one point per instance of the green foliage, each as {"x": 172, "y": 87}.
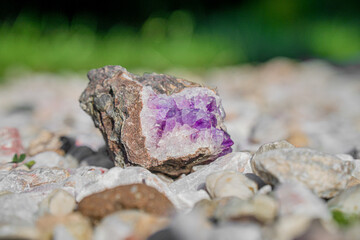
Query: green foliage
{"x": 30, "y": 164}
{"x": 18, "y": 159}
{"x": 344, "y": 220}
{"x": 254, "y": 32}
{"x": 160, "y": 44}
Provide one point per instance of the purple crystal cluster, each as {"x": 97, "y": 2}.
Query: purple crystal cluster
{"x": 163, "y": 123}
{"x": 195, "y": 113}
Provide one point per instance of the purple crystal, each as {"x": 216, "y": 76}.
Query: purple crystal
{"x": 195, "y": 117}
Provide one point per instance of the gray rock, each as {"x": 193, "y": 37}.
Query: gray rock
{"x": 324, "y": 174}
{"x": 19, "y": 181}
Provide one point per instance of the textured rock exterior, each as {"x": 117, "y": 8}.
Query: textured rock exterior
{"x": 157, "y": 121}
{"x": 324, "y": 174}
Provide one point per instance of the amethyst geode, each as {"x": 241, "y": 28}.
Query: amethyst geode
{"x": 157, "y": 121}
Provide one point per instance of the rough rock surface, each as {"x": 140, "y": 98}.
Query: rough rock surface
{"x": 133, "y": 196}
{"x": 141, "y": 116}
{"x": 323, "y": 173}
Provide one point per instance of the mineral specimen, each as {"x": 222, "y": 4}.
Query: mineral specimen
{"x": 157, "y": 121}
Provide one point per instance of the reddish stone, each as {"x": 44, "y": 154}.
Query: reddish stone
{"x": 10, "y": 142}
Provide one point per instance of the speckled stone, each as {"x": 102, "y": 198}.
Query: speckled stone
{"x": 323, "y": 173}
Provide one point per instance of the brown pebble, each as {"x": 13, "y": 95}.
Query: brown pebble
{"x": 133, "y": 196}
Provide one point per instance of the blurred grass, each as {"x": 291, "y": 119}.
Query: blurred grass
{"x": 254, "y": 33}
{"x": 160, "y": 44}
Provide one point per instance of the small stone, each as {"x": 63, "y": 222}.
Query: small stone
{"x": 44, "y": 142}
{"x": 160, "y": 122}
{"x": 347, "y": 201}
{"x": 272, "y": 146}
{"x": 10, "y": 144}
{"x": 229, "y": 183}
{"x": 74, "y": 224}
{"x": 236, "y": 161}
{"x": 129, "y": 224}
{"x": 133, "y": 196}
{"x": 295, "y": 199}
{"x": 324, "y": 174}
{"x": 261, "y": 209}
{"x": 58, "y": 203}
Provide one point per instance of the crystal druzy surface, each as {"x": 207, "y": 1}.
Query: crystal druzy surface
{"x": 163, "y": 123}
{"x": 182, "y": 123}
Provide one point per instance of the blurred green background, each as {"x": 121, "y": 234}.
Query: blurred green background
{"x": 158, "y": 35}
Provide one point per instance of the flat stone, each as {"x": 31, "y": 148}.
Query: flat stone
{"x": 324, "y": 174}
{"x": 160, "y": 122}
{"x": 18, "y": 181}
{"x": 230, "y": 183}
{"x": 133, "y": 196}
